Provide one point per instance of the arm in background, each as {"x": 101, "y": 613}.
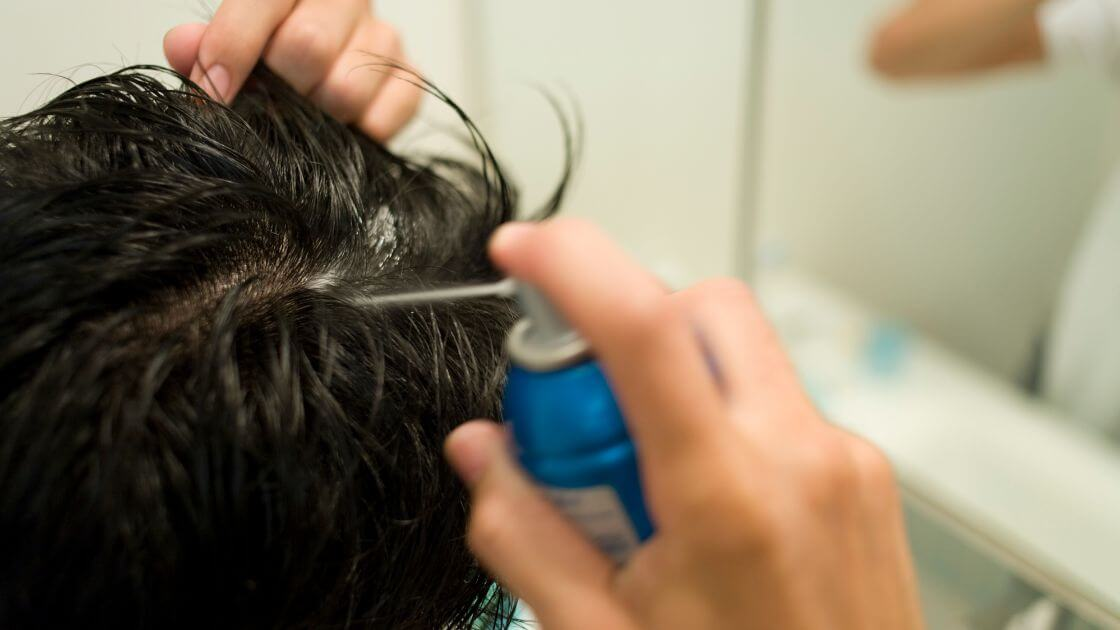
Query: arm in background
{"x": 939, "y": 38}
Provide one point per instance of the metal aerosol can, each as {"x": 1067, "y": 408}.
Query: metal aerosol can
{"x": 569, "y": 433}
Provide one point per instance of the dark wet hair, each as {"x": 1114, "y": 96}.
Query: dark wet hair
{"x": 199, "y": 425}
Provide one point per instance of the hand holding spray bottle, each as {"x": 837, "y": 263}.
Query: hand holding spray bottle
{"x": 569, "y": 434}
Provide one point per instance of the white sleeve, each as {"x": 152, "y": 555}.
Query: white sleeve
{"x": 1085, "y": 31}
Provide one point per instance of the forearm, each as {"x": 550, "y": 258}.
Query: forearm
{"x": 949, "y": 37}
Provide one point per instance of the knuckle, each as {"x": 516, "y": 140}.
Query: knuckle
{"x": 400, "y": 103}
{"x": 216, "y": 47}
{"x": 341, "y": 99}
{"x": 410, "y": 103}
{"x": 387, "y": 38}
{"x": 724, "y": 289}
{"x": 829, "y": 473}
{"x": 873, "y": 467}
{"x": 716, "y": 295}
{"x": 646, "y": 319}
{"x": 307, "y": 44}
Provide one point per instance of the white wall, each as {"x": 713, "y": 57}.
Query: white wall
{"x": 83, "y": 38}
{"x": 75, "y": 38}
{"x": 660, "y": 89}
{"x": 952, "y": 207}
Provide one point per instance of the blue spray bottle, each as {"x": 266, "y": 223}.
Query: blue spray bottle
{"x": 569, "y": 433}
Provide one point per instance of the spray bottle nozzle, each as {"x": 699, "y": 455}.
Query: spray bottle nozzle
{"x": 545, "y": 326}
{"x": 543, "y": 340}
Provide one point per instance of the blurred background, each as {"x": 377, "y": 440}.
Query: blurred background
{"x": 910, "y": 241}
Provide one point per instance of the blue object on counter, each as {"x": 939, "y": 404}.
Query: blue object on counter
{"x": 886, "y": 348}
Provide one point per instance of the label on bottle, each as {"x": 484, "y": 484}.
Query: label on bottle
{"x": 600, "y": 516}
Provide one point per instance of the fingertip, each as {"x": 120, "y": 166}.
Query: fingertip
{"x": 215, "y": 81}
{"x": 181, "y": 45}
{"x": 395, "y": 105}
{"x": 508, "y": 241}
{"x": 382, "y": 129}
{"x": 471, "y": 449}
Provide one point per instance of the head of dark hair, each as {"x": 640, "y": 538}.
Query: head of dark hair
{"x": 199, "y": 425}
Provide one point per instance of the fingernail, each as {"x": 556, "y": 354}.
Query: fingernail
{"x": 469, "y": 448}
{"x": 214, "y": 81}
{"x": 509, "y": 233}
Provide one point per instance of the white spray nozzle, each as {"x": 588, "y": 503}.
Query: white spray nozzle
{"x": 543, "y": 340}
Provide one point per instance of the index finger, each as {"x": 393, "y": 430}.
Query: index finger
{"x": 233, "y": 43}
{"x": 645, "y": 344}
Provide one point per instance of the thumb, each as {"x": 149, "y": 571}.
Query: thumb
{"x": 181, "y": 45}
{"x": 524, "y": 541}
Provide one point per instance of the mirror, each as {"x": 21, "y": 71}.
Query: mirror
{"x": 917, "y": 243}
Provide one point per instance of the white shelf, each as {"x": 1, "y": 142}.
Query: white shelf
{"x": 1005, "y": 471}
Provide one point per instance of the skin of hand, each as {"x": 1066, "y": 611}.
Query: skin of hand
{"x": 333, "y": 51}
{"x": 767, "y": 516}
{"x": 938, "y": 38}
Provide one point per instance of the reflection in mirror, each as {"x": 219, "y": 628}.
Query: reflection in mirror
{"x": 939, "y": 238}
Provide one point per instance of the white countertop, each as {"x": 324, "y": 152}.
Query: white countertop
{"x": 1003, "y": 470}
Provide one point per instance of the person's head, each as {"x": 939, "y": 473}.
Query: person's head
{"x": 199, "y": 425}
